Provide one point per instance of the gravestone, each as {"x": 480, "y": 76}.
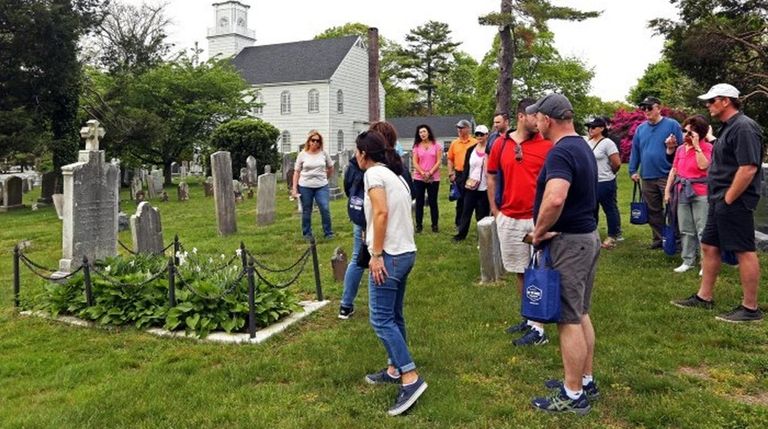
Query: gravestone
{"x": 58, "y": 204}
{"x": 156, "y": 181}
{"x": 12, "y": 193}
{"x": 48, "y": 188}
{"x": 183, "y": 172}
{"x": 208, "y": 187}
{"x": 761, "y": 213}
{"x": 183, "y": 191}
{"x": 147, "y": 230}
{"x": 244, "y": 175}
{"x": 237, "y": 189}
{"x": 266, "y": 197}
{"x": 334, "y": 190}
{"x": 175, "y": 168}
{"x": 91, "y": 195}
{"x": 491, "y": 266}
{"x": 123, "y": 223}
{"x": 25, "y": 185}
{"x": 223, "y": 194}
{"x": 252, "y": 176}
{"x": 136, "y": 187}
{"x": 164, "y": 196}
{"x": 339, "y": 264}
{"x": 408, "y": 161}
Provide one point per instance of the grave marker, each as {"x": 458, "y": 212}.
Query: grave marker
{"x": 12, "y": 193}
{"x": 147, "y": 230}
{"x": 266, "y": 197}
{"x": 223, "y": 193}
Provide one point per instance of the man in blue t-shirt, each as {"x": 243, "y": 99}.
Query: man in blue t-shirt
{"x": 565, "y": 217}
{"x": 649, "y": 155}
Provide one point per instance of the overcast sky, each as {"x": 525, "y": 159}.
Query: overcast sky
{"x": 618, "y": 44}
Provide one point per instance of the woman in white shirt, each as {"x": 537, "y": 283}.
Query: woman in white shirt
{"x": 310, "y": 183}
{"x": 608, "y": 163}
{"x": 389, "y": 239}
{"x": 473, "y": 183}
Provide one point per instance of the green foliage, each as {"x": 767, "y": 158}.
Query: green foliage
{"x": 244, "y": 137}
{"x": 455, "y": 92}
{"x": 665, "y": 81}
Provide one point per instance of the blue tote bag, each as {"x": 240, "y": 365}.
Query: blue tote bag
{"x": 668, "y": 236}
{"x": 541, "y": 289}
{"x": 638, "y": 209}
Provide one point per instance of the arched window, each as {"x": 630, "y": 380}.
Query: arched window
{"x": 285, "y": 102}
{"x": 285, "y": 144}
{"x": 313, "y": 101}
{"x": 340, "y": 141}
{"x": 259, "y": 108}
{"x": 339, "y": 101}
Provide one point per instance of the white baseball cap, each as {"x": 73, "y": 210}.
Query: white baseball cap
{"x": 481, "y": 129}
{"x": 720, "y": 90}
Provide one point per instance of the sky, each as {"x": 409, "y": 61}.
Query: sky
{"x": 618, "y": 45}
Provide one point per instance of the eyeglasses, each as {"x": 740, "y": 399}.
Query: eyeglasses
{"x": 646, "y": 108}
{"x": 461, "y": 128}
{"x": 480, "y": 134}
{"x": 315, "y": 140}
{"x": 518, "y": 152}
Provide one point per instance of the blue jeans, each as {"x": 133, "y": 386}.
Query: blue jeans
{"x": 322, "y": 197}
{"x": 606, "y": 197}
{"x": 354, "y": 273}
{"x": 385, "y": 304}
{"x": 691, "y": 220}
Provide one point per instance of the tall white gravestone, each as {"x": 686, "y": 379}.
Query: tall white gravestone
{"x": 91, "y": 196}
{"x": 265, "y": 197}
{"x": 223, "y": 192}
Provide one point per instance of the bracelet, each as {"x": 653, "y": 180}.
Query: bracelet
{"x": 376, "y": 255}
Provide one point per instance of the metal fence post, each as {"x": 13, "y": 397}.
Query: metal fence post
{"x": 243, "y": 255}
{"x": 16, "y": 275}
{"x": 316, "y": 266}
{"x": 251, "y": 300}
{"x": 176, "y": 249}
{"x": 171, "y": 282}
{"x": 87, "y": 281}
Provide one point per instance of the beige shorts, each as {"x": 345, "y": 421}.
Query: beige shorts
{"x": 515, "y": 255}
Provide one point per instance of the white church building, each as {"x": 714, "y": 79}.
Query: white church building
{"x": 302, "y": 86}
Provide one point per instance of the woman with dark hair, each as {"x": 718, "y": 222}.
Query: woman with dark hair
{"x": 687, "y": 183}
{"x": 608, "y": 163}
{"x": 389, "y": 240}
{"x": 390, "y": 138}
{"x": 310, "y": 183}
{"x": 426, "y": 176}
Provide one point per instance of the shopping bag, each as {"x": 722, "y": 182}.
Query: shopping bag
{"x": 541, "y": 289}
{"x": 638, "y": 209}
{"x": 669, "y": 233}
{"x": 454, "y": 193}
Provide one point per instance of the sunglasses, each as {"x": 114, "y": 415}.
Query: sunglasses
{"x": 315, "y": 140}
{"x": 480, "y": 134}
{"x": 518, "y": 152}
{"x": 461, "y": 128}
{"x": 711, "y": 100}
{"x": 646, "y": 108}
{"x": 688, "y": 132}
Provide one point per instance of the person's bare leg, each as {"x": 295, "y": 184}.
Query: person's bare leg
{"x": 710, "y": 265}
{"x": 573, "y": 348}
{"x": 589, "y": 337}
{"x": 749, "y": 273}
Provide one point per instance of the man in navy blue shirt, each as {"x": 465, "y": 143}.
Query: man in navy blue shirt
{"x": 565, "y": 217}
{"x": 648, "y": 161}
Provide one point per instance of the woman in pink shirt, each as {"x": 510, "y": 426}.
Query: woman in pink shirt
{"x": 427, "y": 155}
{"x": 689, "y": 178}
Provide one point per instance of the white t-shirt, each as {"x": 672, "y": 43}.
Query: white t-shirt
{"x": 478, "y": 163}
{"x": 602, "y": 150}
{"x": 398, "y": 238}
{"x": 311, "y": 168}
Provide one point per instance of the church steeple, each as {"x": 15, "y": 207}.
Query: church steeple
{"x": 230, "y": 33}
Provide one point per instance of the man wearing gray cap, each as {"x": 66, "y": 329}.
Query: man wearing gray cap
{"x": 734, "y": 184}
{"x": 565, "y": 220}
{"x": 456, "y": 154}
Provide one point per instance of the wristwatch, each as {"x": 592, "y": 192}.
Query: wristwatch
{"x": 376, "y": 255}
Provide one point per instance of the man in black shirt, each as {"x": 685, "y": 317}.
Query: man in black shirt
{"x": 733, "y": 185}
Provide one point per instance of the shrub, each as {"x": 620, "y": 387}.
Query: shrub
{"x": 244, "y": 137}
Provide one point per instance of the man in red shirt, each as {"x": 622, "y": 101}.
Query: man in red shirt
{"x": 513, "y": 165}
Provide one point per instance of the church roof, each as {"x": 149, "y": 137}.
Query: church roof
{"x": 293, "y": 62}
{"x": 442, "y": 126}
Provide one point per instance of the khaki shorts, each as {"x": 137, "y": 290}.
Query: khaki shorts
{"x": 515, "y": 255}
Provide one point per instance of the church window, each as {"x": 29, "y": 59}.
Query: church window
{"x": 340, "y": 141}
{"x": 285, "y": 103}
{"x": 285, "y": 143}
{"x": 339, "y": 101}
{"x": 314, "y": 101}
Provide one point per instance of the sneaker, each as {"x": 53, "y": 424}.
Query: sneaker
{"x": 559, "y": 402}
{"x": 346, "y": 312}
{"x": 520, "y": 327}
{"x": 330, "y": 236}
{"x": 407, "y": 396}
{"x": 532, "y": 338}
{"x": 591, "y": 390}
{"x": 381, "y": 377}
{"x": 419, "y": 228}
{"x": 619, "y": 237}
{"x": 741, "y": 314}
{"x": 655, "y": 245}
{"x": 456, "y": 239}
{"x": 694, "y": 301}
{"x": 435, "y": 228}
{"x": 682, "y": 268}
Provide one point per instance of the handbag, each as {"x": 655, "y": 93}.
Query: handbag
{"x": 541, "y": 289}
{"x": 454, "y": 193}
{"x": 669, "y": 233}
{"x": 638, "y": 209}
{"x": 472, "y": 184}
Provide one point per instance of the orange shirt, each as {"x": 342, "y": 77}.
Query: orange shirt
{"x": 458, "y": 151}
{"x": 519, "y": 176}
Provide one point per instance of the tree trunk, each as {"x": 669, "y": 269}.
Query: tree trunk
{"x": 506, "y": 57}
{"x": 167, "y": 171}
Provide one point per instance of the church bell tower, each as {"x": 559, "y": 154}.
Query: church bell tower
{"x": 230, "y": 33}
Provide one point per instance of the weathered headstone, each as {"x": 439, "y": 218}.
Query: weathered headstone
{"x": 91, "y": 195}
{"x": 156, "y": 181}
{"x": 334, "y": 190}
{"x": 244, "y": 175}
{"x": 407, "y": 161}
{"x": 183, "y": 172}
{"x": 58, "y": 204}
{"x": 266, "y": 198}
{"x": 164, "y": 196}
{"x": 12, "y": 193}
{"x": 136, "y": 187}
{"x": 26, "y": 186}
{"x": 175, "y": 168}
{"x": 252, "y": 170}
{"x": 237, "y": 189}
{"x": 147, "y": 230}
{"x": 208, "y": 187}
{"x": 48, "y": 188}
{"x": 223, "y": 194}
{"x": 339, "y": 264}
{"x": 183, "y": 191}
{"x": 491, "y": 266}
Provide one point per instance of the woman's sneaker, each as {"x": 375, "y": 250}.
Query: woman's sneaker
{"x": 381, "y": 377}
{"x": 682, "y": 268}
{"x": 407, "y": 396}
{"x": 346, "y": 312}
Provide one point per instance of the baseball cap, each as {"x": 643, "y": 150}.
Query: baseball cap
{"x": 554, "y": 105}
{"x": 463, "y": 124}
{"x": 481, "y": 129}
{"x": 650, "y": 101}
{"x": 596, "y": 122}
{"x": 720, "y": 90}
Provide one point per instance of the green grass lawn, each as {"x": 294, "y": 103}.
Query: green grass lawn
{"x": 656, "y": 365}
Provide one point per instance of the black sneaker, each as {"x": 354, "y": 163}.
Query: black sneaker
{"x": 381, "y": 377}
{"x": 419, "y": 228}
{"x": 694, "y": 301}
{"x": 435, "y": 228}
{"x": 456, "y": 239}
{"x": 741, "y": 314}
{"x": 346, "y": 312}
{"x": 559, "y": 402}
{"x": 520, "y": 327}
{"x": 655, "y": 245}
{"x": 407, "y": 396}
{"x": 532, "y": 338}
{"x": 591, "y": 390}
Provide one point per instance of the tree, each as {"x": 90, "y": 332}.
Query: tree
{"x": 427, "y": 58}
{"x": 455, "y": 92}
{"x": 665, "y": 81}
{"x": 245, "y": 137}
{"x": 132, "y": 38}
{"x": 515, "y": 21}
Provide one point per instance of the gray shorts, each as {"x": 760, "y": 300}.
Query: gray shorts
{"x": 575, "y": 257}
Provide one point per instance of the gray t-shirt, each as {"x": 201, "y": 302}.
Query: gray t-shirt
{"x": 603, "y": 150}
{"x": 312, "y": 168}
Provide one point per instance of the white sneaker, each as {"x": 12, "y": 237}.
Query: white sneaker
{"x": 701, "y": 272}
{"x": 682, "y": 268}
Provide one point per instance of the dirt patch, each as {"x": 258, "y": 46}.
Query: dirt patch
{"x": 701, "y": 373}
{"x": 760, "y": 398}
